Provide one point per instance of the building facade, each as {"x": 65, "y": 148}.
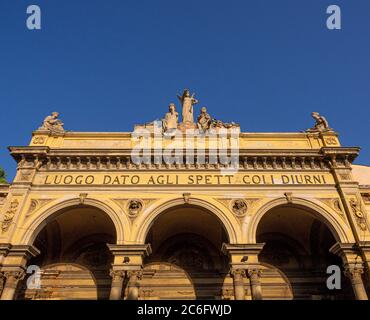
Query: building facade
{"x": 84, "y": 220}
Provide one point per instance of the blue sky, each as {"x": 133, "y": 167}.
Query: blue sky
{"x": 106, "y": 65}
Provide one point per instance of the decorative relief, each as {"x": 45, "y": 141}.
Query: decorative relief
{"x": 37, "y": 204}
{"x": 345, "y": 177}
{"x": 38, "y": 140}
{"x": 9, "y": 216}
{"x": 134, "y": 207}
{"x": 333, "y": 203}
{"x": 357, "y": 211}
{"x": 239, "y": 207}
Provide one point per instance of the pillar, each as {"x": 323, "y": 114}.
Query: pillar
{"x": 243, "y": 261}
{"x": 128, "y": 262}
{"x": 118, "y": 277}
{"x": 254, "y": 276}
{"x": 238, "y": 276}
{"x": 14, "y": 268}
{"x": 12, "y": 279}
{"x": 134, "y": 277}
{"x": 365, "y": 250}
{"x": 353, "y": 267}
{"x": 354, "y": 274}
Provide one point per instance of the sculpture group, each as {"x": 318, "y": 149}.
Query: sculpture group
{"x": 204, "y": 121}
{"x": 171, "y": 123}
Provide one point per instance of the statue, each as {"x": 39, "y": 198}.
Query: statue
{"x": 204, "y": 120}
{"x": 321, "y": 124}
{"x": 170, "y": 122}
{"x": 187, "y": 103}
{"x": 52, "y": 123}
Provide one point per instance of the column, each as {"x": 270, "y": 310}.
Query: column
{"x": 133, "y": 284}
{"x": 238, "y": 276}
{"x": 365, "y": 250}
{"x": 244, "y": 262}
{"x": 353, "y": 266}
{"x": 12, "y": 279}
{"x": 14, "y": 266}
{"x": 254, "y": 276}
{"x": 355, "y": 275}
{"x": 128, "y": 262}
{"x": 118, "y": 277}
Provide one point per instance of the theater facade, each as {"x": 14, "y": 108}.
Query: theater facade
{"x": 227, "y": 215}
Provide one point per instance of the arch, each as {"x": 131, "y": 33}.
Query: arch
{"x": 145, "y": 222}
{"x": 339, "y": 231}
{"x": 35, "y": 225}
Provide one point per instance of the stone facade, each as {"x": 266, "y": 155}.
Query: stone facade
{"x": 100, "y": 226}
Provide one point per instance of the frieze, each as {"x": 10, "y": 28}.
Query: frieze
{"x": 184, "y": 178}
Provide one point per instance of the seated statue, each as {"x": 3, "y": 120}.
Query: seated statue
{"x": 321, "y": 124}
{"x": 52, "y": 123}
{"x": 171, "y": 120}
{"x": 204, "y": 120}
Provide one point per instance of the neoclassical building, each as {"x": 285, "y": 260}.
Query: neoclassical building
{"x": 83, "y": 219}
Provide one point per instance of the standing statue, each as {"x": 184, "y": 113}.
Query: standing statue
{"x": 170, "y": 122}
{"x": 187, "y": 102}
{"x": 321, "y": 124}
{"x": 204, "y": 120}
{"x": 52, "y": 123}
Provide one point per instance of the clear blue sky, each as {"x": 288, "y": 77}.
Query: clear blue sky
{"x": 108, "y": 64}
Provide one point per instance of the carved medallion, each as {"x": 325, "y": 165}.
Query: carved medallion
{"x": 239, "y": 207}
{"x": 134, "y": 207}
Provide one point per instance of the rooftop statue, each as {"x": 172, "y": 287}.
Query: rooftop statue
{"x": 204, "y": 120}
{"x": 52, "y": 123}
{"x": 170, "y": 122}
{"x": 187, "y": 102}
{"x": 321, "y": 124}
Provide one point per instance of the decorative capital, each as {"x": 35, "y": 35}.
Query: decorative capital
{"x": 254, "y": 274}
{"x": 117, "y": 274}
{"x": 14, "y": 276}
{"x": 353, "y": 272}
{"x": 237, "y": 273}
{"x": 135, "y": 275}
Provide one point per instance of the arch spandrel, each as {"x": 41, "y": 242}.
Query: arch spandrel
{"x": 339, "y": 228}
{"x": 144, "y": 222}
{"x": 34, "y": 223}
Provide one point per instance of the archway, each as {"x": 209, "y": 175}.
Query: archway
{"x": 297, "y": 243}
{"x": 186, "y": 261}
{"x": 74, "y": 260}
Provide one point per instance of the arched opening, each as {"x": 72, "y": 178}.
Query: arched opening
{"x": 74, "y": 260}
{"x": 297, "y": 243}
{"x": 186, "y": 260}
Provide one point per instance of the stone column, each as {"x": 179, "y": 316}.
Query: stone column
{"x": 12, "y": 279}
{"x": 128, "y": 261}
{"x": 134, "y": 277}
{"x": 353, "y": 266}
{"x": 118, "y": 277}
{"x": 238, "y": 276}
{"x": 365, "y": 250}
{"x": 355, "y": 275}
{"x": 244, "y": 259}
{"x": 254, "y": 276}
{"x": 13, "y": 268}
